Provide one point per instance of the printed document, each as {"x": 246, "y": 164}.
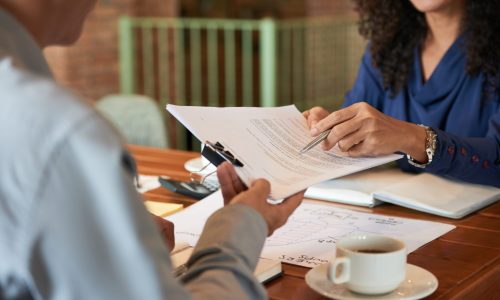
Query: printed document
{"x": 267, "y": 141}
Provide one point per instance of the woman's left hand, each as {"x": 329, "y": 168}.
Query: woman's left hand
{"x": 362, "y": 130}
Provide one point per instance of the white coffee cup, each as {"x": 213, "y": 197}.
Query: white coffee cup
{"x": 369, "y": 264}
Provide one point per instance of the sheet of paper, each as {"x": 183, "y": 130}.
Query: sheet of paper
{"x": 189, "y": 222}
{"x": 147, "y": 183}
{"x": 308, "y": 238}
{"x": 267, "y": 141}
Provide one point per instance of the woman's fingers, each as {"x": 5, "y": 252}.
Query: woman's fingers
{"x": 341, "y": 131}
{"x": 334, "y": 119}
{"x": 314, "y": 115}
{"x": 351, "y": 140}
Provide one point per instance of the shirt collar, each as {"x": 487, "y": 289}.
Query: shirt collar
{"x": 17, "y": 44}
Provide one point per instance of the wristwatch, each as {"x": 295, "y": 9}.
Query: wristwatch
{"x": 430, "y": 147}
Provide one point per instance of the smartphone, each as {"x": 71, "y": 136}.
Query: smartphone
{"x": 194, "y": 190}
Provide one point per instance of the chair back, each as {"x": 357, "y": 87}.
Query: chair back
{"x": 137, "y": 117}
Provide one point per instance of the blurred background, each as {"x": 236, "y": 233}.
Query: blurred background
{"x": 135, "y": 53}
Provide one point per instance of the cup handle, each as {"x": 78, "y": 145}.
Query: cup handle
{"x": 345, "y": 272}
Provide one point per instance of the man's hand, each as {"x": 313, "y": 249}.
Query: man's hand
{"x": 362, "y": 130}
{"x": 166, "y": 230}
{"x": 234, "y": 191}
{"x": 231, "y": 185}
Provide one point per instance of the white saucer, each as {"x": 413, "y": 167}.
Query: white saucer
{"x": 196, "y": 164}
{"x": 417, "y": 284}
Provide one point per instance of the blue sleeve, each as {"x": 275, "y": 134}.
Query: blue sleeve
{"x": 368, "y": 86}
{"x": 471, "y": 159}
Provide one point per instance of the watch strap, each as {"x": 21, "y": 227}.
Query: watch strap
{"x": 430, "y": 148}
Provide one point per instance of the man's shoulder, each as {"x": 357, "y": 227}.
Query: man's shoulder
{"x": 38, "y": 97}
{"x": 38, "y": 117}
{"x": 39, "y": 107}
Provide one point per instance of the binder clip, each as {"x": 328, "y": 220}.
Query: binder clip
{"x": 216, "y": 154}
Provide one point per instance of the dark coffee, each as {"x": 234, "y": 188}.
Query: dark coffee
{"x": 370, "y": 251}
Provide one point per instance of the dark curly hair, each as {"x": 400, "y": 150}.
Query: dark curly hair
{"x": 396, "y": 27}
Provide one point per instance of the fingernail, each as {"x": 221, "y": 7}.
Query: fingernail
{"x": 314, "y": 131}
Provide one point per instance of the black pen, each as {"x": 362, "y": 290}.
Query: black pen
{"x": 321, "y": 137}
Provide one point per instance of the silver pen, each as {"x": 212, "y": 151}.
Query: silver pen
{"x": 322, "y": 136}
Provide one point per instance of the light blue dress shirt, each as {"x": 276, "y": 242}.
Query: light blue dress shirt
{"x": 72, "y": 226}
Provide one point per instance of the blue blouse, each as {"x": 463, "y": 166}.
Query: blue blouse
{"x": 451, "y": 102}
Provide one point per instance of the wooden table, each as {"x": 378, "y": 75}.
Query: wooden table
{"x": 466, "y": 260}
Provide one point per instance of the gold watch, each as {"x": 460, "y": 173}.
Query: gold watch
{"x": 430, "y": 148}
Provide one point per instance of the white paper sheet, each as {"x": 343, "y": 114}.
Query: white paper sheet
{"x": 267, "y": 141}
{"x": 308, "y": 238}
{"x": 147, "y": 183}
{"x": 189, "y": 222}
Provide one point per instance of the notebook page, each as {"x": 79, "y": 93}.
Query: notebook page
{"x": 439, "y": 196}
{"x": 357, "y": 189}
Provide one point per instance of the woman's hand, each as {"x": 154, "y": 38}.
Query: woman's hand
{"x": 314, "y": 115}
{"x": 361, "y": 130}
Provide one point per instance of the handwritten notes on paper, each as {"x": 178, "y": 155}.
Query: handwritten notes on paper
{"x": 310, "y": 234}
{"x": 308, "y": 238}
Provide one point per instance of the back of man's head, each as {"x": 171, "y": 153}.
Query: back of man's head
{"x": 51, "y": 22}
